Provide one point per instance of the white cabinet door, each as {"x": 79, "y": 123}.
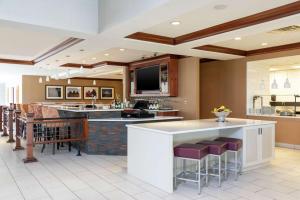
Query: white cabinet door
{"x": 251, "y": 148}
{"x": 267, "y": 143}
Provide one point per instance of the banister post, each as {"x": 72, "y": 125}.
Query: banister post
{"x": 1, "y": 119}
{"x": 18, "y": 133}
{"x": 4, "y": 134}
{"x": 29, "y": 138}
{"x": 10, "y": 123}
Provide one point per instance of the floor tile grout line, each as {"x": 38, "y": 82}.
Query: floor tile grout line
{"x": 37, "y": 180}
{"x": 78, "y": 177}
{"x": 102, "y": 178}
{"x": 12, "y": 177}
{"x": 59, "y": 178}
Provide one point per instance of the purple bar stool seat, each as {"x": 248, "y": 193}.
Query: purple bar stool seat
{"x": 234, "y": 145}
{"x": 190, "y": 152}
{"x": 217, "y": 149}
{"x": 194, "y": 151}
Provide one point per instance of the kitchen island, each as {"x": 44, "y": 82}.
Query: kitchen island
{"x": 150, "y": 146}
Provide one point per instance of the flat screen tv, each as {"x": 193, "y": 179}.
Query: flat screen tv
{"x": 147, "y": 79}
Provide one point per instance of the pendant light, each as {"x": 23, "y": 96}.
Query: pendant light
{"x": 69, "y": 81}
{"x": 94, "y": 82}
{"x": 47, "y": 78}
{"x": 274, "y": 84}
{"x": 262, "y": 85}
{"x": 40, "y": 80}
{"x": 287, "y": 83}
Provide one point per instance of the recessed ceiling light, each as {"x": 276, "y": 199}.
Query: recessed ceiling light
{"x": 264, "y": 44}
{"x": 81, "y": 50}
{"x": 220, "y": 7}
{"x": 94, "y": 58}
{"x": 83, "y": 61}
{"x": 106, "y": 54}
{"x": 122, "y": 49}
{"x": 68, "y": 56}
{"x": 238, "y": 38}
{"x": 56, "y": 60}
{"x": 273, "y": 69}
{"x": 175, "y": 23}
{"x": 296, "y": 67}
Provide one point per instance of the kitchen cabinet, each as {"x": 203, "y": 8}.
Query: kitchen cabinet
{"x": 259, "y": 142}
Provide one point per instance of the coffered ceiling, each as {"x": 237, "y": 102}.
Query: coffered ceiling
{"x": 29, "y": 38}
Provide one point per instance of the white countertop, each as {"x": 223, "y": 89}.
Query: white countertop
{"x": 186, "y": 126}
{"x": 157, "y": 118}
{"x": 274, "y": 115}
{"x": 89, "y": 110}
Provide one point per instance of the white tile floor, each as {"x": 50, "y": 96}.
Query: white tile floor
{"x": 92, "y": 177}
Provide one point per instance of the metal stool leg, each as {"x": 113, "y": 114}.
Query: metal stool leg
{"x": 236, "y": 165}
{"x": 199, "y": 177}
{"x": 175, "y": 173}
{"x": 220, "y": 170}
{"x": 225, "y": 166}
{"x": 206, "y": 170}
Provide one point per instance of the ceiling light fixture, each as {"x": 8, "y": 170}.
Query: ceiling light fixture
{"x": 106, "y": 54}
{"x": 40, "y": 80}
{"x": 237, "y": 38}
{"x": 287, "y": 83}
{"x": 122, "y": 49}
{"x": 69, "y": 81}
{"x": 83, "y": 61}
{"x": 81, "y": 50}
{"x": 94, "y": 82}
{"x": 94, "y": 58}
{"x": 264, "y": 44}
{"x": 274, "y": 84}
{"x": 175, "y": 23}
{"x": 220, "y": 7}
{"x": 47, "y": 79}
{"x": 68, "y": 56}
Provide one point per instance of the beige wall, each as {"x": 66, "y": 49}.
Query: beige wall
{"x": 188, "y": 88}
{"x": 33, "y": 91}
{"x": 224, "y": 82}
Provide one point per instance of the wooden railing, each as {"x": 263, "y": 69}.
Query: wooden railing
{"x": 54, "y": 131}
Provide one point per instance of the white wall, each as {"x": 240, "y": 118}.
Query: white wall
{"x": 73, "y": 15}
{"x": 2, "y": 94}
{"x": 112, "y": 12}
{"x": 255, "y": 76}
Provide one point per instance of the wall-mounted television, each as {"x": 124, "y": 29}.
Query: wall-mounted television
{"x": 148, "y": 78}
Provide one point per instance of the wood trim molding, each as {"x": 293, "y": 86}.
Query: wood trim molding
{"x": 99, "y": 64}
{"x": 58, "y": 48}
{"x": 113, "y": 63}
{"x": 152, "y": 38}
{"x": 98, "y": 79}
{"x": 254, "y": 52}
{"x": 258, "y": 18}
{"x": 18, "y": 62}
{"x": 76, "y": 65}
{"x": 219, "y": 49}
{"x": 286, "y": 47}
{"x": 205, "y": 60}
{"x": 152, "y": 61}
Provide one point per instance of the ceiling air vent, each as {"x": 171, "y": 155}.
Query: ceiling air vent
{"x": 292, "y": 28}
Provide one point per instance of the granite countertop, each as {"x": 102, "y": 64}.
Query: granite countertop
{"x": 187, "y": 126}
{"x": 157, "y": 118}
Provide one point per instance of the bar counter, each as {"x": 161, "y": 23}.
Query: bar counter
{"x": 107, "y": 129}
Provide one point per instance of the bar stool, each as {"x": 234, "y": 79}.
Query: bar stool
{"x": 191, "y": 152}
{"x": 234, "y": 145}
{"x": 217, "y": 149}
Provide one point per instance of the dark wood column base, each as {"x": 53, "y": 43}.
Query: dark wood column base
{"x": 10, "y": 141}
{"x": 4, "y": 135}
{"x": 30, "y": 160}
{"x": 18, "y": 148}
